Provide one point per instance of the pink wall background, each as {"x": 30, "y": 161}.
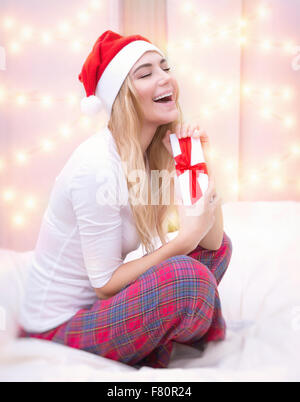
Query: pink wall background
{"x": 244, "y": 141}
{"x": 262, "y": 140}
{"x": 42, "y": 70}
{"x": 238, "y": 132}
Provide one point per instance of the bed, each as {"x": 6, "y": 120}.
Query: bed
{"x": 260, "y": 296}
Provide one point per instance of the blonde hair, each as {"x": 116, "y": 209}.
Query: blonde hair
{"x": 125, "y": 125}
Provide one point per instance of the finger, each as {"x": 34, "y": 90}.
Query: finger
{"x": 187, "y": 131}
{"x": 195, "y": 133}
{"x": 216, "y": 201}
{"x": 211, "y": 182}
{"x": 211, "y": 189}
{"x": 204, "y": 137}
{"x": 198, "y": 131}
{"x": 183, "y": 130}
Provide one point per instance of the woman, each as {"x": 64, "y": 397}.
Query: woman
{"x": 79, "y": 292}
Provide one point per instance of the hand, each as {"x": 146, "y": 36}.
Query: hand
{"x": 187, "y": 130}
{"x": 196, "y": 221}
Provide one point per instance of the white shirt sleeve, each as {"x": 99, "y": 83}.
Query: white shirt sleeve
{"x": 92, "y": 191}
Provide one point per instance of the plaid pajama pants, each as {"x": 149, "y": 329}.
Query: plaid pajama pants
{"x": 175, "y": 300}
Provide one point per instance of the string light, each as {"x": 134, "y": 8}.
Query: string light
{"x": 8, "y": 23}
{"x": 275, "y": 165}
{"x": 242, "y": 40}
{"x": 267, "y": 93}
{"x": 230, "y": 165}
{"x": 46, "y": 101}
{"x": 203, "y": 19}
{"x": 30, "y": 203}
{"x": 95, "y": 4}
{"x": 223, "y": 102}
{"x": 18, "y": 220}
{"x": 21, "y": 100}
{"x": 187, "y": 44}
{"x": 14, "y": 47}
{"x": 266, "y": 45}
{"x": 85, "y": 121}
{"x": 65, "y": 131}
{"x": 214, "y": 84}
{"x": 223, "y": 33}
{"x": 76, "y": 45}
{"x": 295, "y": 149}
{"x": 27, "y": 33}
{"x": 187, "y": 7}
{"x": 235, "y": 188}
{"x": 21, "y": 157}
{"x": 247, "y": 90}
{"x": 47, "y": 145}
{"x": 82, "y": 17}
{"x": 289, "y": 122}
{"x": 64, "y": 27}
{"x": 243, "y": 23}
{"x": 206, "y": 112}
{"x": 8, "y": 195}
{"x": 229, "y": 91}
{"x": 276, "y": 183}
{"x": 289, "y": 47}
{"x": 198, "y": 78}
{"x": 263, "y": 11}
{"x": 46, "y": 38}
{"x": 287, "y": 94}
{"x": 266, "y": 112}
{"x": 206, "y": 40}
{"x": 254, "y": 178}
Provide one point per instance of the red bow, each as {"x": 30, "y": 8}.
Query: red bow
{"x": 183, "y": 163}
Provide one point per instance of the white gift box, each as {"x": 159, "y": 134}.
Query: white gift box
{"x": 197, "y": 156}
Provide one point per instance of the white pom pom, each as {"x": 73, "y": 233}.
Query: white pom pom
{"x": 91, "y": 105}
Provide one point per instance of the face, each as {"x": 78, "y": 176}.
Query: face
{"x": 151, "y": 82}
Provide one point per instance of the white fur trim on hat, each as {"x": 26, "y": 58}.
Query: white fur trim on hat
{"x": 91, "y": 105}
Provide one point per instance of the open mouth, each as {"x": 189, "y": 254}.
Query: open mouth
{"x": 167, "y": 100}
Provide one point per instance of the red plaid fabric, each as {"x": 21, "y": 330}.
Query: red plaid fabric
{"x": 176, "y": 300}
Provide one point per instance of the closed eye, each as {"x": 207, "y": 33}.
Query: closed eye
{"x": 165, "y": 69}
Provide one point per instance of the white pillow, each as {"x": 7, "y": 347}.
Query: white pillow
{"x": 13, "y": 271}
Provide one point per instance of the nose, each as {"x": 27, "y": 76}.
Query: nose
{"x": 164, "y": 77}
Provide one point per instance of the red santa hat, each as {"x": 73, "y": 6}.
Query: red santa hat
{"x": 107, "y": 66}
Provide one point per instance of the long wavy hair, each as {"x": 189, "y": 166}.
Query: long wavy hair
{"x": 126, "y": 118}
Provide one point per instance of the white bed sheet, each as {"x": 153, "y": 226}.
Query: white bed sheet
{"x": 260, "y": 300}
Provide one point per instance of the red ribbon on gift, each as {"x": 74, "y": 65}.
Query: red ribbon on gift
{"x": 183, "y": 163}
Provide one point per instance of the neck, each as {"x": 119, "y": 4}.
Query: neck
{"x": 147, "y": 134}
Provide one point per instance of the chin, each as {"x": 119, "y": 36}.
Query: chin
{"x": 169, "y": 118}
{"x": 170, "y": 115}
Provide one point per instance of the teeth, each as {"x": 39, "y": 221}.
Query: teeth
{"x": 163, "y": 96}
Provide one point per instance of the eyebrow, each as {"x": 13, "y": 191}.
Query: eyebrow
{"x": 148, "y": 65}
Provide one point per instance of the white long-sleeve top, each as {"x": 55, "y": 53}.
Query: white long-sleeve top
{"x": 87, "y": 231}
